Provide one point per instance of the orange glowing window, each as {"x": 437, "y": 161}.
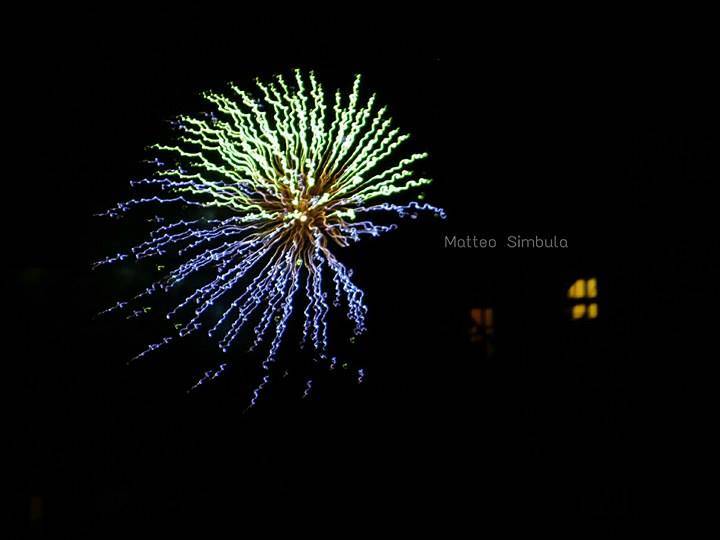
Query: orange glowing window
{"x": 482, "y": 316}
{"x": 580, "y": 290}
{"x": 483, "y": 323}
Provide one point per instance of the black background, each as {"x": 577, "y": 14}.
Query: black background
{"x": 609, "y": 144}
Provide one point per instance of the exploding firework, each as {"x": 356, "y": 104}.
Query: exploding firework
{"x": 292, "y": 180}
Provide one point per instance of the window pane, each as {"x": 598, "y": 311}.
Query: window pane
{"x": 577, "y": 289}
{"x": 489, "y": 317}
{"x": 592, "y": 288}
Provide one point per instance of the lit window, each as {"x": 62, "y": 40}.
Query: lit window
{"x": 483, "y": 324}
{"x": 579, "y": 291}
{"x": 592, "y": 288}
{"x": 482, "y": 317}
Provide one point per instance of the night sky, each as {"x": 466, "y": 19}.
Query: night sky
{"x": 611, "y": 147}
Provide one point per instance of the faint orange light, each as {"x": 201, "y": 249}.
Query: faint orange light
{"x": 483, "y": 324}
{"x": 36, "y": 508}
{"x": 592, "y": 311}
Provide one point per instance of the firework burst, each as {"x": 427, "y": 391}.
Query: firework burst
{"x": 292, "y": 179}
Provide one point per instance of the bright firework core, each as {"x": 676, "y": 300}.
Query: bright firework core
{"x": 292, "y": 179}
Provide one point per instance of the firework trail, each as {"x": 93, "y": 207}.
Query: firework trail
{"x": 292, "y": 179}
